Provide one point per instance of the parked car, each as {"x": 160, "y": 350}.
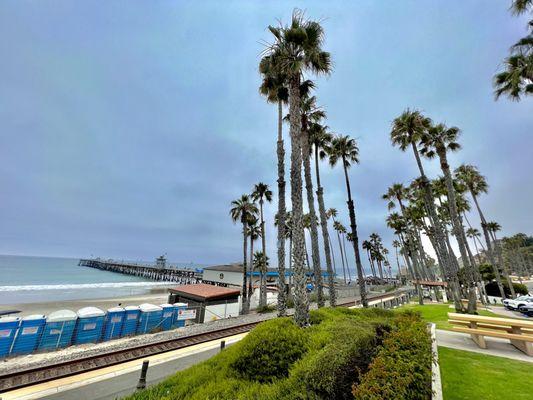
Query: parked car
{"x": 528, "y": 310}
{"x": 518, "y": 303}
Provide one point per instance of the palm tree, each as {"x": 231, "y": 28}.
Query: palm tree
{"x": 398, "y": 223}
{"x": 274, "y": 88}
{"x": 287, "y": 231}
{"x": 331, "y": 213}
{"x": 345, "y": 149}
{"x": 494, "y": 227}
{"x": 476, "y": 183}
{"x": 241, "y": 210}
{"x": 396, "y": 244}
{"x": 253, "y": 231}
{"x": 474, "y": 234}
{"x": 321, "y": 139}
{"x": 339, "y": 228}
{"x": 297, "y": 49}
{"x": 261, "y": 194}
{"x": 343, "y": 232}
{"x": 310, "y": 113}
{"x": 516, "y": 78}
{"x": 398, "y": 193}
{"x": 407, "y": 130}
{"x": 260, "y": 264}
{"x": 366, "y": 245}
{"x": 437, "y": 141}
{"x": 306, "y": 221}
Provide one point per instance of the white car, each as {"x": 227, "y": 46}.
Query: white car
{"x": 516, "y": 304}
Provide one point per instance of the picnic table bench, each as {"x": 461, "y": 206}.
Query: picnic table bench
{"x": 518, "y": 331}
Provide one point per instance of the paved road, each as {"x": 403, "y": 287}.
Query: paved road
{"x": 496, "y": 346}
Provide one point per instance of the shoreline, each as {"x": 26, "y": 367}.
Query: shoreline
{"x": 46, "y": 307}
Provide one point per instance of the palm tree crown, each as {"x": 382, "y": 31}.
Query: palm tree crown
{"x": 439, "y": 139}
{"x": 242, "y": 209}
{"x": 262, "y": 192}
{"x": 408, "y": 128}
{"x": 469, "y": 176}
{"x": 343, "y": 148}
{"x": 298, "y": 47}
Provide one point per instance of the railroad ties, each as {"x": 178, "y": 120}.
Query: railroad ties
{"x": 180, "y": 276}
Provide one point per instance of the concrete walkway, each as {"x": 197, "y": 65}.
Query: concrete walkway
{"x": 496, "y": 346}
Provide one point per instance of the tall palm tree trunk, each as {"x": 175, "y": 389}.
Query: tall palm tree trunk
{"x": 313, "y": 229}
{"x": 245, "y": 299}
{"x": 348, "y": 273}
{"x": 490, "y": 253}
{"x": 397, "y": 259}
{"x": 262, "y": 285}
{"x": 355, "y": 241}
{"x": 282, "y": 287}
{"x": 332, "y": 254}
{"x": 301, "y": 301}
{"x": 504, "y": 266}
{"x": 325, "y": 233}
{"x": 458, "y": 231}
{"x": 251, "y": 268}
{"x": 342, "y": 257}
{"x": 414, "y": 273}
{"x": 440, "y": 240}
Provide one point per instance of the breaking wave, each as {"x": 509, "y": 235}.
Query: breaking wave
{"x": 67, "y": 286}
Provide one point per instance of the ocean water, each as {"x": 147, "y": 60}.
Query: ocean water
{"x": 45, "y": 279}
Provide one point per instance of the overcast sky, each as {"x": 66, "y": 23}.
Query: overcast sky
{"x": 126, "y": 128}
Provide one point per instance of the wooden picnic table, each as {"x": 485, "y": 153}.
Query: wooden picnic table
{"x": 518, "y": 331}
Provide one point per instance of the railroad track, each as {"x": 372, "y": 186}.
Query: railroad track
{"x": 28, "y": 377}
{"x": 33, "y": 376}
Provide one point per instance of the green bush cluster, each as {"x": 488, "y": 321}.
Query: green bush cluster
{"x": 278, "y": 360}
{"x": 402, "y": 368}
{"x": 492, "y": 288}
{"x": 269, "y": 351}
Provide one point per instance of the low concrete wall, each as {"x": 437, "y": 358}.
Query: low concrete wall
{"x": 436, "y": 384}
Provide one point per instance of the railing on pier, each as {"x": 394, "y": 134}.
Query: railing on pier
{"x": 181, "y": 276}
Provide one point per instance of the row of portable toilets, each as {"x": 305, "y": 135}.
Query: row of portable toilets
{"x": 89, "y": 325}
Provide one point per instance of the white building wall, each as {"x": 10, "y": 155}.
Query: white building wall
{"x": 228, "y": 277}
{"x": 219, "y": 311}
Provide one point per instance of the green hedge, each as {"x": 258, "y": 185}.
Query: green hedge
{"x": 402, "y": 368}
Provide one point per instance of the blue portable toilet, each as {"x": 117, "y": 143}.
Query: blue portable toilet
{"x": 179, "y": 323}
{"x": 89, "y": 325}
{"x": 29, "y": 333}
{"x": 8, "y": 330}
{"x": 168, "y": 316}
{"x": 113, "y": 323}
{"x": 131, "y": 320}
{"x": 58, "y": 330}
{"x": 150, "y": 318}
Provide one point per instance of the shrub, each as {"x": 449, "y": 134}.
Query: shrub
{"x": 492, "y": 288}
{"x": 269, "y": 350}
{"x": 266, "y": 309}
{"x": 402, "y": 368}
{"x": 331, "y": 372}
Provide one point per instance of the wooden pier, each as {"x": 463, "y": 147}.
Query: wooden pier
{"x": 167, "y": 274}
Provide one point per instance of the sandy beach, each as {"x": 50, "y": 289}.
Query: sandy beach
{"x": 74, "y": 305}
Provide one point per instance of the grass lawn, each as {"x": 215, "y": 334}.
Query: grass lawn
{"x": 438, "y": 313}
{"x": 467, "y": 375}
